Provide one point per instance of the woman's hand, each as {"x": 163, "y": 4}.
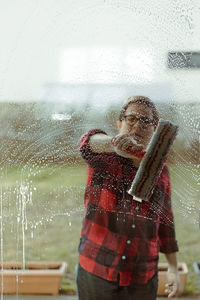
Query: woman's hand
{"x": 126, "y": 146}
{"x": 173, "y": 283}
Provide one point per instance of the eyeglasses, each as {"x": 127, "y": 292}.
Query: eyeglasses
{"x": 144, "y": 121}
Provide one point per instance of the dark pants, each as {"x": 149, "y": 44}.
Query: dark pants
{"x": 91, "y": 287}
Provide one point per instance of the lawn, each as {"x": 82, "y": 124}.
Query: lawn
{"x": 42, "y": 209}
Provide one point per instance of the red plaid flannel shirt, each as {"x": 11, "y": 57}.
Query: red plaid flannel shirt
{"x": 122, "y": 237}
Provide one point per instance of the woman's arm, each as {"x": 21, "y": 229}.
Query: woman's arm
{"x": 101, "y": 143}
{"x": 172, "y": 261}
{"x": 122, "y": 144}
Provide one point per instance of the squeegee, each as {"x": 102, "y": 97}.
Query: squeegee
{"x": 153, "y": 161}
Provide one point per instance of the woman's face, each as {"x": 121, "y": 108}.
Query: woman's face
{"x": 137, "y": 123}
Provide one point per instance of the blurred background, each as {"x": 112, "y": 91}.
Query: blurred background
{"x": 68, "y": 66}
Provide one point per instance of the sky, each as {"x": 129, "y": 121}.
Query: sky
{"x": 57, "y": 43}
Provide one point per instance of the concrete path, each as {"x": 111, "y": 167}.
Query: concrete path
{"x": 24, "y": 297}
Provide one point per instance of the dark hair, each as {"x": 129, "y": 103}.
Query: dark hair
{"x": 141, "y": 100}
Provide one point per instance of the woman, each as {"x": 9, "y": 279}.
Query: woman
{"x": 121, "y": 238}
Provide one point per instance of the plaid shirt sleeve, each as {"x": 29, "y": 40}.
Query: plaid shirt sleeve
{"x": 93, "y": 159}
{"x": 167, "y": 238}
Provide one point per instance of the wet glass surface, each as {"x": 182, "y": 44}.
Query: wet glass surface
{"x": 66, "y": 68}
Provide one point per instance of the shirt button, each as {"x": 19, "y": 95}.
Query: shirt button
{"x": 123, "y": 257}
{"x": 128, "y": 242}
{"x": 133, "y": 225}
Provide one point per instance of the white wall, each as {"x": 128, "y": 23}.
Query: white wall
{"x": 35, "y": 33}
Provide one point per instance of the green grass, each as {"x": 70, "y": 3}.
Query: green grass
{"x": 52, "y": 197}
